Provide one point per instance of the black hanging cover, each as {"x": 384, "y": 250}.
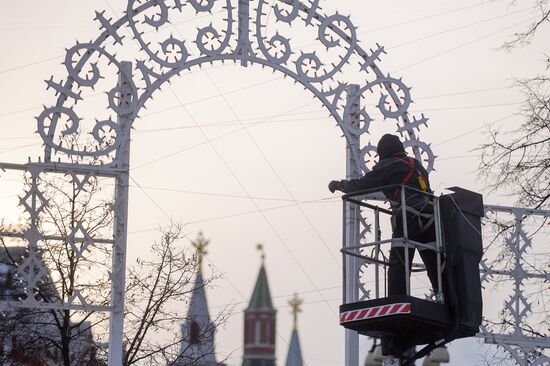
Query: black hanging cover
{"x": 461, "y": 214}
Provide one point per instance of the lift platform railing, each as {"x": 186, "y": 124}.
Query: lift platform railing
{"x": 399, "y": 210}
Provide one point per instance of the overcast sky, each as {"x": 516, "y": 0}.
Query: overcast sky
{"x": 446, "y": 50}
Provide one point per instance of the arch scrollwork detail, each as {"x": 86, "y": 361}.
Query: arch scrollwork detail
{"x": 263, "y": 38}
{"x": 289, "y": 16}
{"x": 316, "y": 66}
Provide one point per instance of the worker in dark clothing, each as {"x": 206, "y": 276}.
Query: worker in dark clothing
{"x": 395, "y": 167}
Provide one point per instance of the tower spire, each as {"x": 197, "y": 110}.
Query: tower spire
{"x": 260, "y": 248}
{"x": 260, "y": 322}
{"x": 198, "y": 331}
{"x": 294, "y": 356}
{"x": 295, "y": 303}
{"x": 200, "y": 245}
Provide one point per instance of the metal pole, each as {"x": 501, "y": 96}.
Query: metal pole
{"x": 344, "y": 255}
{"x": 352, "y": 222}
{"x": 377, "y": 237}
{"x": 116, "y": 324}
{"x": 438, "y": 247}
{"x": 406, "y": 240}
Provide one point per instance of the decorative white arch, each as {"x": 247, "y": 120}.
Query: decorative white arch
{"x": 339, "y": 73}
{"x": 162, "y": 60}
{"x": 248, "y": 43}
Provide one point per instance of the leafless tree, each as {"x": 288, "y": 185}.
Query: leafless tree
{"x": 77, "y": 212}
{"x": 516, "y": 161}
{"x": 158, "y": 288}
{"x": 80, "y": 210}
{"x": 542, "y": 10}
{"x": 519, "y": 160}
{"x": 157, "y": 292}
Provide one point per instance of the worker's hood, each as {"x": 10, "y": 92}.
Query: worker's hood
{"x": 388, "y": 146}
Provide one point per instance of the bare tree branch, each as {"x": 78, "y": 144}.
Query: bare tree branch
{"x": 542, "y": 10}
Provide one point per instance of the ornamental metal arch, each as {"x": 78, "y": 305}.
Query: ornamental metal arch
{"x": 340, "y": 73}
{"x": 247, "y": 42}
{"x": 172, "y": 56}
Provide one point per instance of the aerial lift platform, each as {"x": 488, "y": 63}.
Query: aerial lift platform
{"x": 451, "y": 312}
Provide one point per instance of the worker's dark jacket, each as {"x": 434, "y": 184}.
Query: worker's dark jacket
{"x": 392, "y": 170}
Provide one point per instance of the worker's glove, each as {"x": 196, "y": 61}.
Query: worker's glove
{"x": 334, "y": 186}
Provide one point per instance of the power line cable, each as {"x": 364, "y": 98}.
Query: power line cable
{"x": 474, "y": 130}
{"x": 164, "y": 109}
{"x": 339, "y": 287}
{"x": 462, "y": 45}
{"x": 254, "y": 85}
{"x": 136, "y": 182}
{"x": 41, "y": 106}
{"x": 312, "y": 201}
{"x": 191, "y": 19}
{"x": 234, "y": 131}
{"x": 188, "y": 20}
{"x": 249, "y": 212}
{"x": 15, "y": 148}
{"x": 415, "y": 20}
{"x": 233, "y": 122}
{"x": 37, "y": 62}
{"x": 179, "y": 105}
{"x": 224, "y": 276}
{"x": 278, "y": 307}
{"x": 283, "y": 184}
{"x": 226, "y": 195}
{"x": 151, "y": 199}
{"x": 460, "y": 28}
{"x": 477, "y": 156}
{"x": 260, "y": 211}
{"x": 478, "y": 106}
{"x": 269, "y": 119}
{"x": 278, "y": 296}
{"x": 246, "y": 192}
{"x": 229, "y": 123}
{"x": 31, "y": 64}
{"x": 218, "y": 137}
{"x": 475, "y": 91}
{"x": 18, "y": 138}
{"x": 268, "y": 162}
{"x": 241, "y": 185}
{"x": 266, "y": 120}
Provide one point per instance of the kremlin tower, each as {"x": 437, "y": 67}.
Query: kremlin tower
{"x": 197, "y": 344}
{"x": 294, "y": 356}
{"x": 260, "y": 323}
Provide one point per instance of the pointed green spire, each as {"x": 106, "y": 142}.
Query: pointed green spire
{"x": 261, "y": 297}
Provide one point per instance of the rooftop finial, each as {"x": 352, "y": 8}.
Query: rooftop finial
{"x": 296, "y": 304}
{"x": 200, "y": 244}
{"x": 260, "y": 248}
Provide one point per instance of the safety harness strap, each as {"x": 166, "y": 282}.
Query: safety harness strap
{"x": 407, "y": 177}
{"x": 420, "y": 215}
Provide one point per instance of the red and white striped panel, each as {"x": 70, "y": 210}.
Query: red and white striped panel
{"x": 375, "y": 312}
